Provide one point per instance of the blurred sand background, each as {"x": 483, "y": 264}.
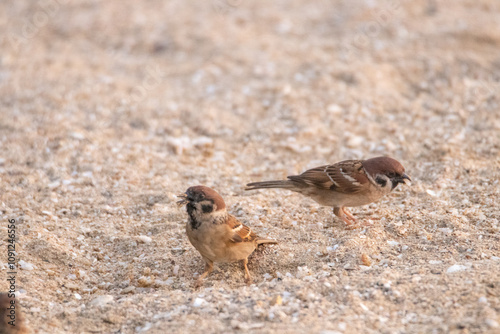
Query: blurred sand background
{"x": 111, "y": 108}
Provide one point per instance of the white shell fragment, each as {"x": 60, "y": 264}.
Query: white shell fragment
{"x": 198, "y": 302}
{"x": 144, "y": 239}
{"x": 456, "y": 268}
{"x": 26, "y": 265}
{"x": 102, "y": 300}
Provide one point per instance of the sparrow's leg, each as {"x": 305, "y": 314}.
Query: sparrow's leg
{"x": 339, "y": 212}
{"x": 248, "y": 277}
{"x": 209, "y": 267}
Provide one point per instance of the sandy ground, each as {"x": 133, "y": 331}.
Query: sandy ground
{"x": 111, "y": 108}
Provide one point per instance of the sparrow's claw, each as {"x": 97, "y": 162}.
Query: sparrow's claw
{"x": 198, "y": 283}
{"x": 345, "y": 215}
{"x": 349, "y": 215}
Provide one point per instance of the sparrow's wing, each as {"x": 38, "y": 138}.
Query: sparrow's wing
{"x": 240, "y": 232}
{"x": 346, "y": 177}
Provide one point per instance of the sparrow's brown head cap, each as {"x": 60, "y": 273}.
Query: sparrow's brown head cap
{"x": 203, "y": 193}
{"x": 390, "y": 167}
{"x": 383, "y": 165}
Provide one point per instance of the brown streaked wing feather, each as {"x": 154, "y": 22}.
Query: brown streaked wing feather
{"x": 241, "y": 232}
{"x": 333, "y": 177}
{"x": 340, "y": 173}
{"x": 314, "y": 177}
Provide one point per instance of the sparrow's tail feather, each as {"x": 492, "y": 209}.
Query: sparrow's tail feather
{"x": 285, "y": 184}
{"x": 266, "y": 241}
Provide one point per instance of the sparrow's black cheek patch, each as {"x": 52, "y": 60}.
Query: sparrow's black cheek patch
{"x": 207, "y": 208}
{"x": 381, "y": 181}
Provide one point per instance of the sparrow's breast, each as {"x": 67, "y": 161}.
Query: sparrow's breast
{"x": 213, "y": 242}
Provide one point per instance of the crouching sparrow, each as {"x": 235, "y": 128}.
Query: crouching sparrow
{"x": 216, "y": 234}
{"x": 344, "y": 184}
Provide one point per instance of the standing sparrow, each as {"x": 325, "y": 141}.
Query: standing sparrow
{"x": 344, "y": 184}
{"x": 216, "y": 234}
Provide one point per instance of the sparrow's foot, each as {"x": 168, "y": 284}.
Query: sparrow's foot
{"x": 346, "y": 217}
{"x": 350, "y": 221}
{"x": 209, "y": 267}
{"x": 198, "y": 283}
{"x": 349, "y": 215}
{"x": 248, "y": 277}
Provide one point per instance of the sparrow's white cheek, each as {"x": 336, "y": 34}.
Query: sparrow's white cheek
{"x": 383, "y": 181}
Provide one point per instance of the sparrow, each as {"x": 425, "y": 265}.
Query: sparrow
{"x": 344, "y": 184}
{"x": 12, "y": 319}
{"x": 216, "y": 234}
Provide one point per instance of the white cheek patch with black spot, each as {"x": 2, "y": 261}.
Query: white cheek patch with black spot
{"x": 207, "y": 206}
{"x": 381, "y": 181}
{"x": 384, "y": 182}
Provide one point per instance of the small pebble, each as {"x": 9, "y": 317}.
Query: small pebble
{"x": 145, "y": 239}
{"x": 363, "y": 306}
{"x": 26, "y": 265}
{"x": 198, "y": 302}
{"x": 144, "y": 281}
{"x": 491, "y": 323}
{"x": 456, "y": 268}
{"x": 365, "y": 259}
{"x": 431, "y": 192}
{"x": 128, "y": 289}
{"x": 102, "y": 300}
{"x": 276, "y": 300}
{"x": 355, "y": 141}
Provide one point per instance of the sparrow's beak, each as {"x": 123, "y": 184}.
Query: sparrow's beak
{"x": 406, "y": 180}
{"x": 183, "y": 201}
